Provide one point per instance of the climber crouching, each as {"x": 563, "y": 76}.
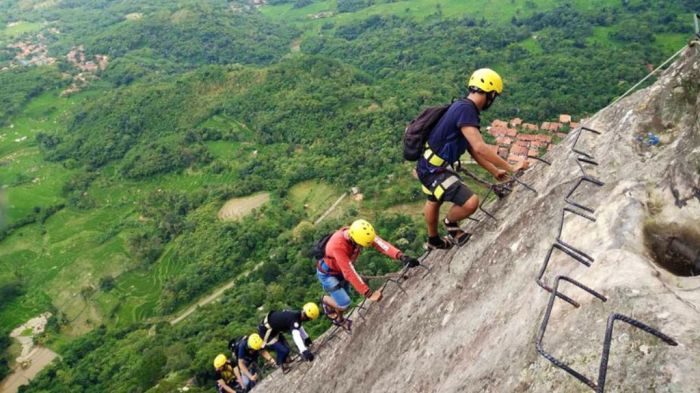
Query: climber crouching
{"x": 277, "y": 322}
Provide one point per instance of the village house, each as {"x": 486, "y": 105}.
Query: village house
{"x": 515, "y": 146}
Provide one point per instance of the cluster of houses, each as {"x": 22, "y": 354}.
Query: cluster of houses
{"x": 30, "y": 54}
{"x": 88, "y": 68}
{"x": 76, "y": 56}
{"x": 516, "y": 140}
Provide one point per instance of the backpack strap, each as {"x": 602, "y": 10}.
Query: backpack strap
{"x": 268, "y": 331}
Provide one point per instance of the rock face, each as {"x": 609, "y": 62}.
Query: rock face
{"x": 471, "y": 325}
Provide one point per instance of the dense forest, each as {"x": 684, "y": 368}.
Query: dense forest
{"x": 123, "y": 168}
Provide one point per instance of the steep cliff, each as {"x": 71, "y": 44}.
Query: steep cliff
{"x": 472, "y": 323}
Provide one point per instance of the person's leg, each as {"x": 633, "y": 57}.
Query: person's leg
{"x": 337, "y": 299}
{"x": 340, "y": 301}
{"x": 432, "y": 212}
{"x": 465, "y": 203}
{"x": 281, "y": 352}
{"x": 458, "y": 213}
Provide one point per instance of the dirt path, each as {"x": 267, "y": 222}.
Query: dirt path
{"x": 213, "y": 296}
{"x": 330, "y": 209}
{"x": 35, "y": 358}
{"x": 39, "y": 358}
{"x": 238, "y": 207}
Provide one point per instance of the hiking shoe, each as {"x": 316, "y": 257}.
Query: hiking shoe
{"x": 439, "y": 244}
{"x": 455, "y": 234}
{"x": 345, "y": 324}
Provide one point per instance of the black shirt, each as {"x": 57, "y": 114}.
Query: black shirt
{"x": 283, "y": 321}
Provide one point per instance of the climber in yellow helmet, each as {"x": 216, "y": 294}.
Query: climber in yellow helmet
{"x": 335, "y": 269}
{"x": 277, "y": 322}
{"x": 456, "y": 132}
{"x": 228, "y": 376}
{"x": 246, "y": 349}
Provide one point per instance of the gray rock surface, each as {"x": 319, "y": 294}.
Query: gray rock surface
{"x": 470, "y": 326}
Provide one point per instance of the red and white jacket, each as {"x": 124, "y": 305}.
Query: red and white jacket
{"x": 341, "y": 254}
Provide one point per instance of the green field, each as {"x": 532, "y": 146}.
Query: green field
{"x": 493, "y": 11}
{"x": 314, "y": 196}
{"x": 16, "y": 29}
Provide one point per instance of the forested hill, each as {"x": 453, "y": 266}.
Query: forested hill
{"x": 125, "y": 126}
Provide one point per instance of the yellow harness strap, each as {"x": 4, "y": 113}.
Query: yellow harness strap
{"x": 432, "y": 158}
{"x": 441, "y": 188}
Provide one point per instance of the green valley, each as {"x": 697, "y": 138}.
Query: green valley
{"x": 114, "y": 170}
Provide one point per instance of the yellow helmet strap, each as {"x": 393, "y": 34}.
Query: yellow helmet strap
{"x": 490, "y": 98}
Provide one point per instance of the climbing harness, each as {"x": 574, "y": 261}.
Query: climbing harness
{"x": 440, "y": 189}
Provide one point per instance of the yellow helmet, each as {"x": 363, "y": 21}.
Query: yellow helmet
{"x": 486, "y": 80}
{"x": 255, "y": 342}
{"x": 311, "y": 310}
{"x": 362, "y": 233}
{"x": 219, "y": 361}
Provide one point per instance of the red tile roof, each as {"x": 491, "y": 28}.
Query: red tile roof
{"x": 498, "y": 131}
{"x": 530, "y": 127}
{"x": 564, "y": 118}
{"x": 554, "y": 127}
{"x": 516, "y": 121}
{"x": 511, "y": 132}
{"x": 514, "y": 159}
{"x": 518, "y": 150}
{"x": 499, "y": 123}
{"x": 504, "y": 140}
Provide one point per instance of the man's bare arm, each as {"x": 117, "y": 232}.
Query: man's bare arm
{"x": 480, "y": 149}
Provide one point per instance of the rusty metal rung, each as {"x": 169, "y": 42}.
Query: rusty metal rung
{"x": 540, "y": 159}
{"x": 561, "y": 228}
{"x": 581, "y": 152}
{"x": 539, "y": 279}
{"x": 545, "y": 322}
{"x": 603, "y": 368}
{"x": 573, "y": 189}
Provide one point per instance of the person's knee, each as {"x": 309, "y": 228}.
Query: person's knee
{"x": 471, "y": 204}
{"x": 344, "y": 303}
{"x": 343, "y": 306}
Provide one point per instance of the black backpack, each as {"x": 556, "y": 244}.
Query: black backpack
{"x": 318, "y": 250}
{"x": 233, "y": 347}
{"x": 418, "y": 130}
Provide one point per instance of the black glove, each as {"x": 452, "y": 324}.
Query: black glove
{"x": 308, "y": 356}
{"x": 307, "y": 341}
{"x": 409, "y": 261}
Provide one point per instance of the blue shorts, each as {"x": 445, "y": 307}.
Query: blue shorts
{"x": 336, "y": 287}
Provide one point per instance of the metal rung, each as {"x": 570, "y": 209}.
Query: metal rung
{"x": 573, "y": 189}
{"x": 581, "y": 130}
{"x": 545, "y": 322}
{"x": 540, "y": 275}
